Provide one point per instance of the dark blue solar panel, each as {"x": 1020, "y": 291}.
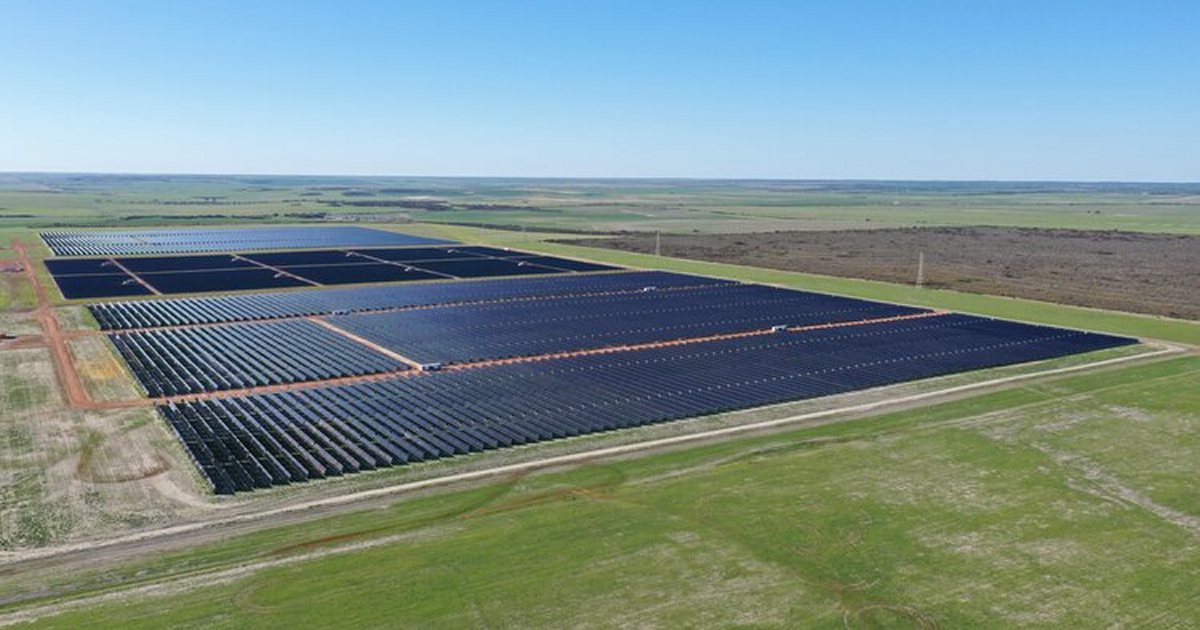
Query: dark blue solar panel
{"x": 359, "y": 273}
{"x": 86, "y": 266}
{"x": 321, "y": 257}
{"x": 200, "y": 310}
{"x": 483, "y": 267}
{"x": 183, "y": 263}
{"x": 564, "y": 263}
{"x": 523, "y": 328}
{"x": 447, "y": 263}
{"x": 494, "y": 252}
{"x": 206, "y": 281}
{"x": 75, "y": 287}
{"x": 441, "y": 414}
{"x": 409, "y": 254}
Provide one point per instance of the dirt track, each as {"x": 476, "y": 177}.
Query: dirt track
{"x": 1157, "y": 274}
{"x": 72, "y": 387}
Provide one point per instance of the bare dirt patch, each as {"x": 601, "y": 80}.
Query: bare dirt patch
{"x": 100, "y": 370}
{"x": 1158, "y": 274}
{"x": 70, "y": 474}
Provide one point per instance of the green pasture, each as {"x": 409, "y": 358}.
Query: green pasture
{"x": 1067, "y": 503}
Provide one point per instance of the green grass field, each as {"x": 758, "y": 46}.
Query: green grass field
{"x": 1068, "y": 503}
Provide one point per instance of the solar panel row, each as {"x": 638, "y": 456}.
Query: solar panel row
{"x": 515, "y": 329}
{"x": 507, "y": 329}
{"x": 305, "y": 259}
{"x": 76, "y": 243}
{"x": 237, "y": 272}
{"x": 247, "y": 442}
{"x": 207, "y": 310}
{"x": 99, "y": 286}
{"x": 219, "y": 280}
{"x": 172, "y": 362}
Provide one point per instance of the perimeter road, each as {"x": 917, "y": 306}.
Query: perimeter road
{"x": 72, "y": 386}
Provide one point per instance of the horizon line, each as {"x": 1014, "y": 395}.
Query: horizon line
{"x": 691, "y": 178}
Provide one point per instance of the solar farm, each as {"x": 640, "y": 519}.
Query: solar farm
{"x": 449, "y": 349}
{"x": 209, "y": 273}
{"x": 234, "y": 426}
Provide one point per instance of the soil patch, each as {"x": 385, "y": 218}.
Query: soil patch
{"x": 1158, "y": 274}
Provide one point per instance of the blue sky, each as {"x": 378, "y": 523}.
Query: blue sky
{"x": 926, "y": 90}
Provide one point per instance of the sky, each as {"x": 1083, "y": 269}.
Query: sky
{"x": 1000, "y": 89}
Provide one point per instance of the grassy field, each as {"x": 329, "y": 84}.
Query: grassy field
{"x": 1068, "y": 503}
{"x": 593, "y": 205}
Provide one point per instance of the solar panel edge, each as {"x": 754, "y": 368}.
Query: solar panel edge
{"x": 82, "y": 242}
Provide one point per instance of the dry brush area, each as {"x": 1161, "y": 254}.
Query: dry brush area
{"x": 1157, "y": 274}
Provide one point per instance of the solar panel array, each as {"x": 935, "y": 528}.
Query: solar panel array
{"x": 515, "y": 329}
{"x": 175, "y": 361}
{"x": 122, "y": 276}
{"x": 284, "y": 386}
{"x": 234, "y": 308}
{"x": 257, "y": 441}
{"x": 178, "y": 361}
{"x": 176, "y": 241}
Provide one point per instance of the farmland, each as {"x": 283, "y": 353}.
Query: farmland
{"x": 47, "y": 201}
{"x": 855, "y": 456}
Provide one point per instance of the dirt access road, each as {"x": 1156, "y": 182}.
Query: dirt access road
{"x": 52, "y": 335}
{"x": 1158, "y": 274}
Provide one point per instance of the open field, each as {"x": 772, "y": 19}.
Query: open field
{"x": 1064, "y": 503}
{"x": 1146, "y": 273}
{"x": 45, "y": 200}
{"x": 15, "y": 292}
{"x": 69, "y": 473}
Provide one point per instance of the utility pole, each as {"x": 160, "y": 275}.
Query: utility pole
{"x": 920, "y": 269}
{"x": 658, "y": 243}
